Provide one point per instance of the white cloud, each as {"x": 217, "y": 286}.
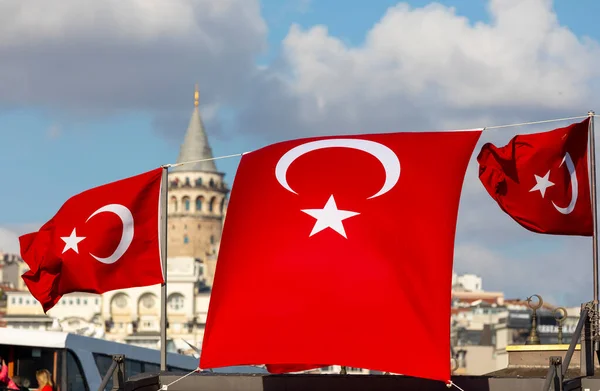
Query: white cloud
{"x": 429, "y": 68}
{"x": 9, "y": 241}
{"x": 98, "y": 57}
{"x": 556, "y": 272}
{"x": 9, "y": 236}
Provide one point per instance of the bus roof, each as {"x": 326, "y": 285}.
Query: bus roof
{"x": 62, "y": 340}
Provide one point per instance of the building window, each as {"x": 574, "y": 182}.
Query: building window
{"x": 120, "y": 300}
{"x": 78, "y": 301}
{"x": 173, "y": 204}
{"x": 199, "y": 204}
{"x": 211, "y": 205}
{"x": 212, "y": 239}
{"x": 148, "y": 301}
{"x": 84, "y": 301}
{"x": 14, "y": 301}
{"x": 198, "y": 182}
{"x": 187, "y": 182}
{"x": 97, "y": 301}
{"x": 175, "y": 301}
{"x": 186, "y": 240}
{"x": 186, "y": 203}
{"x": 211, "y": 183}
{"x": 20, "y": 300}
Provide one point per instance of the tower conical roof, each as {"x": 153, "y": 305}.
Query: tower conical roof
{"x": 195, "y": 145}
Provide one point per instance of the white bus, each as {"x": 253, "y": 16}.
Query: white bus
{"x": 79, "y": 363}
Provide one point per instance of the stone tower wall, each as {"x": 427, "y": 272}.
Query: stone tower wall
{"x": 195, "y": 214}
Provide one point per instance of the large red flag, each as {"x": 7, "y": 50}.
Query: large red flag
{"x": 339, "y": 251}
{"x": 541, "y": 180}
{"x": 103, "y": 239}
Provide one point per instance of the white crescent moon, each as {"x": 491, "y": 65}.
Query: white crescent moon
{"x": 574, "y": 186}
{"x": 126, "y": 237}
{"x": 385, "y": 155}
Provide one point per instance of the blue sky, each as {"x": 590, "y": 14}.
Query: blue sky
{"x": 54, "y": 148}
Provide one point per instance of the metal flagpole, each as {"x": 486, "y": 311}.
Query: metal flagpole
{"x": 595, "y": 217}
{"x": 163, "y": 255}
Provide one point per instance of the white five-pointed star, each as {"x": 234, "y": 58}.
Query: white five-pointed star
{"x": 542, "y": 183}
{"x": 71, "y": 242}
{"x": 329, "y": 217}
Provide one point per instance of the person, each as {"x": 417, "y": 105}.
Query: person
{"x": 44, "y": 379}
{"x": 21, "y": 384}
{"x": 5, "y": 381}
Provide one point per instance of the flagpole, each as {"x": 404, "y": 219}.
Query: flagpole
{"x": 163, "y": 256}
{"x": 595, "y": 219}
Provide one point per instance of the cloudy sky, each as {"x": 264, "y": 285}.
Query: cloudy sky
{"x": 94, "y": 91}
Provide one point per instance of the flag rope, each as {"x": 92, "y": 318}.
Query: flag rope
{"x": 484, "y": 129}
{"x": 449, "y": 385}
{"x": 536, "y": 122}
{"x": 166, "y": 386}
{"x": 203, "y": 160}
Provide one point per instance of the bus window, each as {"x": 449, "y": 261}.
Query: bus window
{"x": 24, "y": 361}
{"x": 149, "y": 367}
{"x": 175, "y": 369}
{"x": 132, "y": 367}
{"x": 75, "y": 378}
{"x": 103, "y": 363}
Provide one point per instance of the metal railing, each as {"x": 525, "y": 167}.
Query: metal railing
{"x": 555, "y": 377}
{"x": 117, "y": 372}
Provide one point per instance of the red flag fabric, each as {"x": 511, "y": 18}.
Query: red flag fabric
{"x": 541, "y": 180}
{"x": 102, "y": 239}
{"x": 339, "y": 251}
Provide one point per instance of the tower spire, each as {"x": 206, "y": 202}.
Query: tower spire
{"x": 195, "y": 144}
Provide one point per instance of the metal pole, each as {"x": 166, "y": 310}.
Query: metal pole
{"x": 595, "y": 217}
{"x": 163, "y": 255}
{"x": 108, "y": 375}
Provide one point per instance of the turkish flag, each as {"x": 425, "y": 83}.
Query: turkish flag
{"x": 541, "y": 180}
{"x": 103, "y": 239}
{"x": 339, "y": 251}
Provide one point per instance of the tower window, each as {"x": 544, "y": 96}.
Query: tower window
{"x": 173, "y": 204}
{"x": 198, "y": 182}
{"x": 186, "y": 203}
{"x": 211, "y": 183}
{"x": 186, "y": 240}
{"x": 187, "y": 182}
{"x": 212, "y": 239}
{"x": 199, "y": 204}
